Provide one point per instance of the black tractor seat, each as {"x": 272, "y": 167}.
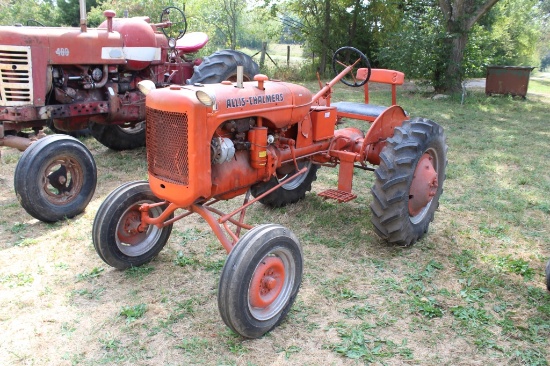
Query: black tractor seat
{"x": 358, "y": 110}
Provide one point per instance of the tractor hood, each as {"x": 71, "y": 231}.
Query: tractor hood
{"x": 279, "y": 104}
{"x": 136, "y": 44}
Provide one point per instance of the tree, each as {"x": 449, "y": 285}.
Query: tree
{"x": 221, "y": 19}
{"x": 459, "y": 16}
{"x": 23, "y": 11}
{"x": 69, "y": 11}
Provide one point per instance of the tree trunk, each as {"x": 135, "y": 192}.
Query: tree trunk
{"x": 353, "y": 28}
{"x": 451, "y": 73}
{"x": 460, "y": 16}
{"x": 326, "y": 32}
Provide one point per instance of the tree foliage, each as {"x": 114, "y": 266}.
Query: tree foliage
{"x": 440, "y": 41}
{"x": 21, "y": 11}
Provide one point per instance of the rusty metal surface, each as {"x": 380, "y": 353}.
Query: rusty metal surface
{"x": 512, "y": 80}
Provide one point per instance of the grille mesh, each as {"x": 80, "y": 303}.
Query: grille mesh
{"x": 15, "y": 75}
{"x": 167, "y": 146}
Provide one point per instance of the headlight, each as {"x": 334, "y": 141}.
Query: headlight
{"x": 146, "y": 86}
{"x": 171, "y": 42}
{"x": 206, "y": 98}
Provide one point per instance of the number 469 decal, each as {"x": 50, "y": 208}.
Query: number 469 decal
{"x": 62, "y": 52}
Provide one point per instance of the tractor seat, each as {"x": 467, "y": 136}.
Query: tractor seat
{"x": 191, "y": 42}
{"x": 360, "y": 111}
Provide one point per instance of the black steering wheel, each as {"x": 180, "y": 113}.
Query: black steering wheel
{"x": 31, "y": 22}
{"x": 346, "y": 56}
{"x": 177, "y": 20}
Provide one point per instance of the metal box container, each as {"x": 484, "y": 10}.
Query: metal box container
{"x": 512, "y": 80}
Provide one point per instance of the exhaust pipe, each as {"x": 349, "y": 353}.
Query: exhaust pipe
{"x": 83, "y": 20}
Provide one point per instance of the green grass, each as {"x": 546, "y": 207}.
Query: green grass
{"x": 539, "y": 86}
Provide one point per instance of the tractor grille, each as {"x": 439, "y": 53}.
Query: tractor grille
{"x": 15, "y": 75}
{"x": 167, "y": 146}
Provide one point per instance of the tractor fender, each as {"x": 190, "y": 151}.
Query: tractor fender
{"x": 381, "y": 129}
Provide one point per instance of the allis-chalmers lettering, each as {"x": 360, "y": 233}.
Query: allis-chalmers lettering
{"x": 254, "y": 100}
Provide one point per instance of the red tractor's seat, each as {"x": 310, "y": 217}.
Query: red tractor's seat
{"x": 191, "y": 42}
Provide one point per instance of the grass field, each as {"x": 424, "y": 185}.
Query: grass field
{"x": 470, "y": 293}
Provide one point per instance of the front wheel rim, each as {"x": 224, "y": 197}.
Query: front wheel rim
{"x": 271, "y": 284}
{"x": 129, "y": 240}
{"x": 62, "y": 180}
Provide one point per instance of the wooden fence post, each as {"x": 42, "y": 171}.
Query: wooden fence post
{"x": 287, "y": 56}
{"x": 262, "y": 55}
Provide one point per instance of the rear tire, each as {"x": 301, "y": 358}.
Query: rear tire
{"x": 396, "y": 218}
{"x": 114, "y": 232}
{"x": 117, "y": 137}
{"x": 291, "y": 192}
{"x": 260, "y": 280}
{"x": 55, "y": 178}
{"x": 222, "y": 65}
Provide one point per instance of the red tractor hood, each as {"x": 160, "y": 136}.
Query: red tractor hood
{"x": 137, "y": 43}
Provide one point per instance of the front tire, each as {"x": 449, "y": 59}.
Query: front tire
{"x": 291, "y": 192}
{"x": 409, "y": 181}
{"x": 119, "y": 138}
{"x": 260, "y": 280}
{"x": 55, "y": 178}
{"x": 115, "y": 234}
{"x": 222, "y": 65}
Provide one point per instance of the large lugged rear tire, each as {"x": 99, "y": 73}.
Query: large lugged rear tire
{"x": 289, "y": 193}
{"x": 55, "y": 178}
{"x": 118, "y": 137}
{"x": 409, "y": 181}
{"x": 222, "y": 65}
{"x": 115, "y": 234}
{"x": 260, "y": 280}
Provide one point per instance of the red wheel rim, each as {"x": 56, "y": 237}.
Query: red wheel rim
{"x": 127, "y": 231}
{"x": 267, "y": 282}
{"x": 423, "y": 186}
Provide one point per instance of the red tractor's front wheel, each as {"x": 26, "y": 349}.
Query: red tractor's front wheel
{"x": 260, "y": 280}
{"x": 409, "y": 181}
{"x": 55, "y": 178}
{"x": 116, "y": 233}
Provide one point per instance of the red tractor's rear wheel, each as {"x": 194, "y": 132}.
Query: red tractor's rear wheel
{"x": 55, "y": 178}
{"x": 119, "y": 137}
{"x": 222, "y": 65}
{"x": 116, "y": 234}
{"x": 260, "y": 280}
{"x": 291, "y": 192}
{"x": 409, "y": 181}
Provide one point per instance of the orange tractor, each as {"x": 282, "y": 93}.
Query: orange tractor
{"x": 72, "y": 79}
{"x": 266, "y": 139}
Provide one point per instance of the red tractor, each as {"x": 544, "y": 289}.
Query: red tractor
{"x": 266, "y": 139}
{"x": 72, "y": 79}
